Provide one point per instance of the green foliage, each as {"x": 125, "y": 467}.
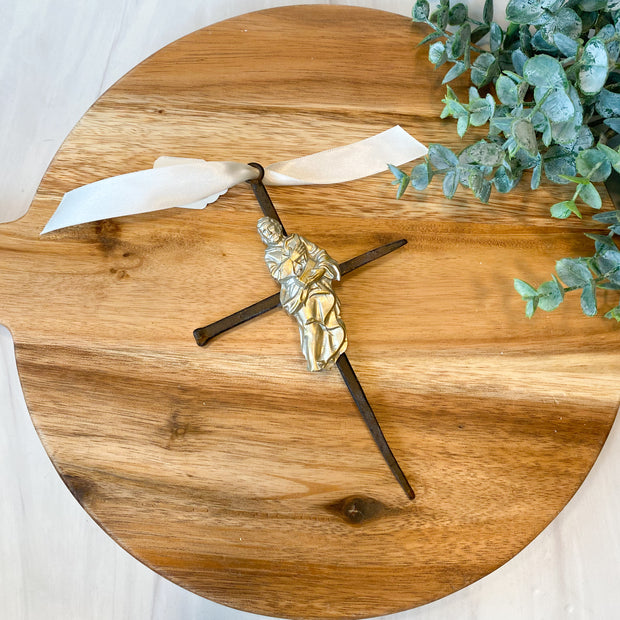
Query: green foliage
{"x": 548, "y": 88}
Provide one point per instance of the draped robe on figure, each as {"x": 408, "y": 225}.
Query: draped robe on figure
{"x": 307, "y": 294}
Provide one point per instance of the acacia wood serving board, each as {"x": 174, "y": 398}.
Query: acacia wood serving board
{"x": 231, "y": 469}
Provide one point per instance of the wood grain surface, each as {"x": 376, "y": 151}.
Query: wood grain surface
{"x": 230, "y": 469}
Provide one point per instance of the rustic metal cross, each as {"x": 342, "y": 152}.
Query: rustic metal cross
{"x": 203, "y": 335}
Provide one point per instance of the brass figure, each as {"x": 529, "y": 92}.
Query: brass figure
{"x": 305, "y": 273}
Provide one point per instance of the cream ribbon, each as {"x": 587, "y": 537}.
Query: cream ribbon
{"x": 195, "y": 183}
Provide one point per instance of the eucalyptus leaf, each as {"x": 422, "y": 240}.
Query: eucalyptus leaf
{"x": 487, "y": 12}
{"x": 524, "y": 135}
{"x": 530, "y": 307}
{"x": 614, "y": 123}
{"x": 450, "y": 183}
{"x": 565, "y": 44}
{"x": 608, "y": 263}
{"x": 457, "y": 14}
{"x": 437, "y": 53}
{"x": 593, "y": 163}
{"x": 507, "y": 91}
{"x": 484, "y": 69}
{"x": 519, "y": 58}
{"x": 458, "y": 68}
{"x": 484, "y": 153}
{"x": 589, "y": 194}
{"x": 612, "y": 155}
{"x": 608, "y": 103}
{"x": 550, "y": 295}
{"x": 503, "y": 181}
{"x": 614, "y": 313}
{"x": 462, "y": 125}
{"x": 523, "y": 11}
{"x": 524, "y": 289}
{"x": 536, "y": 174}
{"x": 420, "y": 11}
{"x": 564, "y": 209}
{"x": 441, "y": 157}
{"x": 557, "y": 105}
{"x": 592, "y": 5}
{"x": 588, "y": 299}
{"x": 573, "y": 272}
{"x": 496, "y": 36}
{"x": 593, "y": 67}
{"x": 545, "y": 72}
{"x": 420, "y": 176}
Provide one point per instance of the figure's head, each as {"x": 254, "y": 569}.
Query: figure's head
{"x": 270, "y": 230}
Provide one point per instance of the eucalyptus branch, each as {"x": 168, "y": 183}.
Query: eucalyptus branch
{"x": 553, "y": 108}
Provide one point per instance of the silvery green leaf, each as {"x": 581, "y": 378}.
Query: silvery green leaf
{"x": 565, "y": 133}
{"x": 608, "y": 103}
{"x": 573, "y": 272}
{"x": 507, "y": 91}
{"x": 484, "y": 69}
{"x": 602, "y": 243}
{"x": 593, "y": 163}
{"x": 562, "y": 210}
{"x": 503, "y": 182}
{"x": 462, "y": 125}
{"x": 614, "y": 123}
{"x": 589, "y": 194}
{"x": 566, "y": 45}
{"x": 518, "y": 60}
{"x": 609, "y": 217}
{"x": 501, "y": 124}
{"x": 540, "y": 43}
{"x": 606, "y": 32}
{"x": 552, "y": 5}
{"x": 608, "y": 263}
{"x": 456, "y": 43}
{"x": 440, "y": 17}
{"x": 530, "y": 307}
{"x": 484, "y": 153}
{"x": 545, "y": 72}
{"x": 592, "y": 5}
{"x": 450, "y": 183}
{"x": 398, "y": 174}
{"x": 588, "y": 299}
{"x": 496, "y": 36}
{"x": 593, "y": 67}
{"x": 612, "y": 155}
{"x": 523, "y": 11}
{"x": 584, "y": 139}
{"x": 441, "y": 157}
{"x": 480, "y": 112}
{"x": 550, "y": 295}
{"x": 536, "y": 174}
{"x": 420, "y": 11}
{"x": 437, "y": 53}
{"x": 547, "y": 135}
{"x": 557, "y": 106}
{"x": 614, "y": 313}
{"x": 420, "y": 176}
{"x": 458, "y": 68}
{"x": 430, "y": 37}
{"x": 566, "y": 22}
{"x": 487, "y": 12}
{"x": 524, "y": 289}
{"x": 457, "y": 14}
{"x": 524, "y": 135}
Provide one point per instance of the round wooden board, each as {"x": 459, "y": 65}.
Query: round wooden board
{"x": 231, "y": 469}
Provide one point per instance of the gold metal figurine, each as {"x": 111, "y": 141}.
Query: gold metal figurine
{"x": 305, "y": 273}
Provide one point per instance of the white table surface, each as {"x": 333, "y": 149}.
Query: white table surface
{"x": 57, "y": 57}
